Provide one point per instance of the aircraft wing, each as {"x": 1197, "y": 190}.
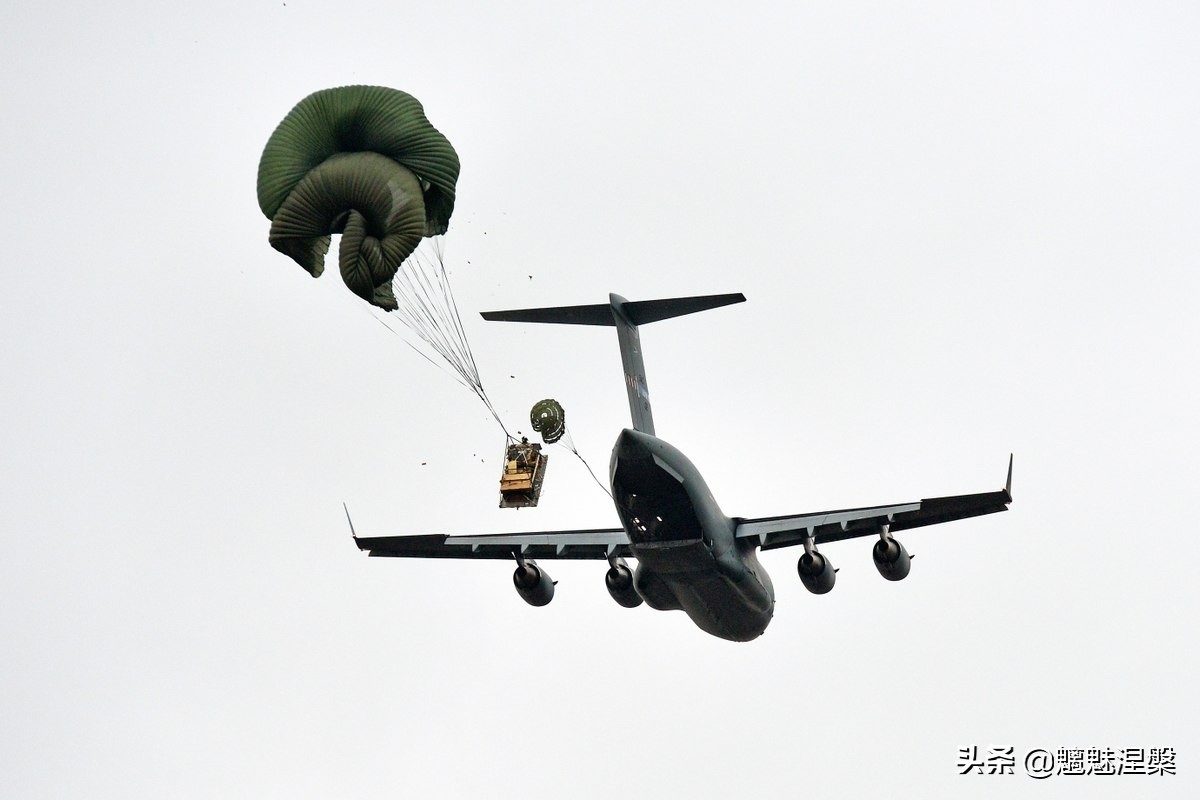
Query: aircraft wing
{"x": 597, "y": 544}
{"x": 831, "y": 526}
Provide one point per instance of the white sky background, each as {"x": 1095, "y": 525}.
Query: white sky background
{"x": 963, "y": 229}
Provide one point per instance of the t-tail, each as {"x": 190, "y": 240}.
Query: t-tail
{"x": 625, "y": 316}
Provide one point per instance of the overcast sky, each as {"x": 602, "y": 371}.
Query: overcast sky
{"x": 964, "y": 230}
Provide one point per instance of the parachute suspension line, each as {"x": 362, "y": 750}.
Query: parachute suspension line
{"x": 457, "y": 318}
{"x": 417, "y": 350}
{"x": 569, "y": 443}
{"x": 427, "y": 308}
{"x": 426, "y": 312}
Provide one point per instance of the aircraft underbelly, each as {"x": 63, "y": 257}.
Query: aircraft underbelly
{"x": 738, "y": 612}
{"x": 726, "y": 598}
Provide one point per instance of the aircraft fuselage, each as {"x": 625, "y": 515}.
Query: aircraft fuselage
{"x": 688, "y": 556}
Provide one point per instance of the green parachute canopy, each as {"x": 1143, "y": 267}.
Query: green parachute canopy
{"x": 549, "y": 419}
{"x": 362, "y": 161}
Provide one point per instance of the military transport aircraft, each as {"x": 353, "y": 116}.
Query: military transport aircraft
{"x": 690, "y": 555}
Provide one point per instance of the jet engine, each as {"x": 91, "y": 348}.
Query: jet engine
{"x": 533, "y": 584}
{"x": 619, "y": 581}
{"x": 816, "y": 573}
{"x": 891, "y": 559}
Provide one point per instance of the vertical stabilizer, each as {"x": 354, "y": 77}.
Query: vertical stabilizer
{"x": 625, "y": 316}
{"x": 635, "y": 370}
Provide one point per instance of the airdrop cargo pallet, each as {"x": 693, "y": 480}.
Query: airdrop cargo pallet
{"x": 524, "y": 471}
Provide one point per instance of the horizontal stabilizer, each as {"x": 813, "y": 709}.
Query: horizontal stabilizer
{"x": 563, "y": 315}
{"x": 639, "y": 312}
{"x": 625, "y": 316}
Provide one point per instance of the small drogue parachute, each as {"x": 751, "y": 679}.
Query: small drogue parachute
{"x": 362, "y": 161}
{"x": 549, "y": 419}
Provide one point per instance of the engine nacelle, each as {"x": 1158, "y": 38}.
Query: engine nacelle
{"x": 619, "y": 582}
{"x": 891, "y": 559}
{"x": 816, "y": 573}
{"x": 533, "y": 584}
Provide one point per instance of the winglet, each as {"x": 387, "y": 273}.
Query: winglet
{"x": 353, "y": 535}
{"x": 1008, "y": 482}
